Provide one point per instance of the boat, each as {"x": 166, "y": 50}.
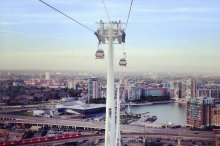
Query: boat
{"x": 170, "y": 123}
{"x": 152, "y": 119}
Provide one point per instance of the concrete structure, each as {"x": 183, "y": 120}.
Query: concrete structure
{"x": 47, "y": 75}
{"x": 154, "y": 92}
{"x": 199, "y": 111}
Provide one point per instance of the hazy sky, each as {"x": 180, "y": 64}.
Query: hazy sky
{"x": 162, "y": 35}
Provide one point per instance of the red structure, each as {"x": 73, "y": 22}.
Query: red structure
{"x": 40, "y": 139}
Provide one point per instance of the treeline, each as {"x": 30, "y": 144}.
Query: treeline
{"x": 98, "y": 100}
{"x": 152, "y": 98}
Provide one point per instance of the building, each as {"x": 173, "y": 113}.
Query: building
{"x": 216, "y": 116}
{"x": 77, "y": 107}
{"x": 134, "y": 92}
{"x": 154, "y": 92}
{"x": 47, "y": 75}
{"x": 175, "y": 92}
{"x": 189, "y": 88}
{"x": 71, "y": 85}
{"x": 94, "y": 88}
{"x": 208, "y": 92}
{"x": 169, "y": 85}
{"x": 199, "y": 111}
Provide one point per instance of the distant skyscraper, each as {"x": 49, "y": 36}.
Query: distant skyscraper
{"x": 94, "y": 88}
{"x": 47, "y": 75}
{"x": 199, "y": 111}
{"x": 189, "y": 89}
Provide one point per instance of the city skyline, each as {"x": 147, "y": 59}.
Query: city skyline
{"x": 160, "y": 36}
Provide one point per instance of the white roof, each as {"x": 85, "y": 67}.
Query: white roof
{"x": 79, "y": 105}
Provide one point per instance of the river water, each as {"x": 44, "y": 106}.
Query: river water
{"x": 167, "y": 112}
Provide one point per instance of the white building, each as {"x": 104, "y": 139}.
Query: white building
{"x": 47, "y": 75}
{"x": 71, "y": 85}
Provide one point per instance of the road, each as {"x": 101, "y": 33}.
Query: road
{"x": 99, "y": 125}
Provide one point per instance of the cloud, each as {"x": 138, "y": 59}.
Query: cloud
{"x": 8, "y": 31}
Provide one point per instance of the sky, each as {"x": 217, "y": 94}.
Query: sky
{"x": 161, "y": 35}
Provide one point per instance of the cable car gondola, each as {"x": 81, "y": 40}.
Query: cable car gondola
{"x": 99, "y": 54}
{"x": 123, "y": 62}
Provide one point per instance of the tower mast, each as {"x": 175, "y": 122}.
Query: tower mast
{"x": 110, "y": 33}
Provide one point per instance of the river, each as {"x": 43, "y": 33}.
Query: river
{"x": 167, "y": 112}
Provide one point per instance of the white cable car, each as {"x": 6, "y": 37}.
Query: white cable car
{"x": 123, "y": 62}
{"x": 99, "y": 54}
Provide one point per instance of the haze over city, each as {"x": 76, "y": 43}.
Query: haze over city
{"x": 160, "y": 36}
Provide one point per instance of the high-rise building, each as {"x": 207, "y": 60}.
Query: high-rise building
{"x": 199, "y": 111}
{"x": 47, "y": 75}
{"x": 134, "y": 92}
{"x": 189, "y": 88}
{"x": 216, "y": 116}
{"x": 94, "y": 88}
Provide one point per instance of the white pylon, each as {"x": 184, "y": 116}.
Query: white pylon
{"x": 111, "y": 34}
{"x": 118, "y": 133}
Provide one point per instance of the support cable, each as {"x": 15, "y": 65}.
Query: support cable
{"x": 106, "y": 10}
{"x": 128, "y": 15}
{"x": 67, "y": 16}
{"x": 127, "y": 20}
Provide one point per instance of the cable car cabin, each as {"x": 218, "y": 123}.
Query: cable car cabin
{"x": 99, "y": 54}
{"x": 123, "y": 62}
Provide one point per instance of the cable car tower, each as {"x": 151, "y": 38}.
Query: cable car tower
{"x": 111, "y": 32}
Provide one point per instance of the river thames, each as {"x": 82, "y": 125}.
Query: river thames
{"x": 165, "y": 112}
